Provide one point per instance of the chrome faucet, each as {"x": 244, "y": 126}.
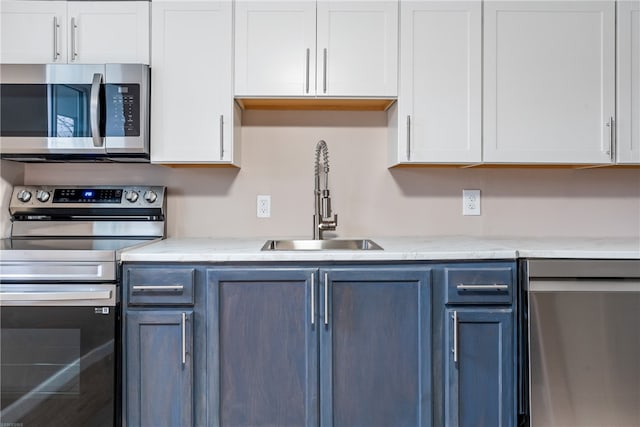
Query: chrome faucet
{"x": 322, "y": 215}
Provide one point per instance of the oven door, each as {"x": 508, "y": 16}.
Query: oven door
{"x": 58, "y": 355}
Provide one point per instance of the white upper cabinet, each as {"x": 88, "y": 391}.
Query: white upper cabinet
{"x": 41, "y": 32}
{"x": 549, "y": 81}
{"x": 308, "y": 48}
{"x": 440, "y": 87}
{"x": 628, "y": 111}
{"x": 357, "y": 48}
{"x": 109, "y": 31}
{"x": 193, "y": 116}
{"x": 275, "y": 48}
{"x": 33, "y": 32}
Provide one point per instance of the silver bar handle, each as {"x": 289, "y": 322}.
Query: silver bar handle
{"x": 94, "y": 110}
{"x": 326, "y": 299}
{"x": 74, "y": 27}
{"x": 612, "y": 138}
{"x": 408, "y": 137}
{"x": 491, "y": 287}
{"x": 221, "y": 136}
{"x": 307, "y": 71}
{"x": 455, "y": 337}
{"x": 313, "y": 299}
{"x": 56, "y": 28}
{"x": 324, "y": 70}
{"x": 184, "y": 338}
{"x": 176, "y": 288}
{"x": 55, "y": 296}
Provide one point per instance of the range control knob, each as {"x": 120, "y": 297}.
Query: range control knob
{"x": 43, "y": 196}
{"x": 150, "y": 196}
{"x": 131, "y": 196}
{"x": 24, "y": 196}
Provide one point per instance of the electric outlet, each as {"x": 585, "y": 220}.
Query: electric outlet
{"x": 470, "y": 202}
{"x": 264, "y": 206}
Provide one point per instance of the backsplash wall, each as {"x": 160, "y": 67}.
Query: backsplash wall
{"x": 370, "y": 199}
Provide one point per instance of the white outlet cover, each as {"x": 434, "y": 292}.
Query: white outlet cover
{"x": 263, "y": 206}
{"x": 471, "y": 202}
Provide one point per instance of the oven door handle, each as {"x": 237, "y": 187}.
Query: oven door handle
{"x": 58, "y": 297}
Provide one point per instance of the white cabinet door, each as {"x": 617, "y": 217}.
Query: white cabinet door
{"x": 357, "y": 51}
{"x": 628, "y": 112}
{"x": 90, "y": 32}
{"x": 440, "y": 87}
{"x": 548, "y": 81}
{"x": 192, "y": 108}
{"x": 307, "y": 48}
{"x": 275, "y": 44}
{"x": 108, "y": 32}
{"x": 33, "y": 32}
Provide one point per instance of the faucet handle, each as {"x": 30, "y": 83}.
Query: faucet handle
{"x": 329, "y": 223}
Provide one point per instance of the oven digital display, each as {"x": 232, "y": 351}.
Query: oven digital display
{"x": 88, "y": 195}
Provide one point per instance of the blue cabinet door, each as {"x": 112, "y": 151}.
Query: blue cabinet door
{"x": 479, "y": 368}
{"x": 263, "y": 347}
{"x": 375, "y": 363}
{"x": 159, "y": 369}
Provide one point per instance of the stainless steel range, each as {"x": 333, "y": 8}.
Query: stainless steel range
{"x": 60, "y": 296}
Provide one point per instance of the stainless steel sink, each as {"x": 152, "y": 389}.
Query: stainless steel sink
{"x": 321, "y": 245}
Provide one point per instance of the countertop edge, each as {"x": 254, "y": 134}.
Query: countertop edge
{"x": 395, "y": 250}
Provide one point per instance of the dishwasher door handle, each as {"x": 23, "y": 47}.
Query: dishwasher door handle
{"x": 584, "y": 285}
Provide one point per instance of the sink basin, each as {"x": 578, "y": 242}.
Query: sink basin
{"x": 321, "y": 245}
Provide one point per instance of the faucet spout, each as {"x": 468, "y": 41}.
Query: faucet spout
{"x": 322, "y": 217}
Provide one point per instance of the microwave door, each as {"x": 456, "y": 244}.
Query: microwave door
{"x": 44, "y": 111}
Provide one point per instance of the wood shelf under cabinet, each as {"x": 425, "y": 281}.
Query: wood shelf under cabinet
{"x": 319, "y": 104}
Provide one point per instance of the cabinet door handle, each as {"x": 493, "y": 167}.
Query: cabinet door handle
{"x": 612, "y": 138}
{"x": 408, "y": 138}
{"x": 326, "y": 299}
{"x": 324, "y": 70}
{"x": 313, "y": 299}
{"x": 455, "y": 337}
{"x": 307, "y": 70}
{"x": 184, "y": 338}
{"x": 74, "y": 27}
{"x": 221, "y": 137}
{"x": 56, "y": 28}
{"x": 176, "y": 288}
{"x": 492, "y": 287}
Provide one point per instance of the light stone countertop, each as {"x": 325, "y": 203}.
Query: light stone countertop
{"x": 395, "y": 249}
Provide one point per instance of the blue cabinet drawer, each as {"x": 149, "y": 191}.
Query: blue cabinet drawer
{"x": 479, "y": 285}
{"x": 160, "y": 286}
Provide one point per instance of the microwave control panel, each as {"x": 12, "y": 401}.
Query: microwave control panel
{"x": 123, "y": 109}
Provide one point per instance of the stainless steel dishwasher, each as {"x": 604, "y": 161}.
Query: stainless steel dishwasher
{"x": 584, "y": 342}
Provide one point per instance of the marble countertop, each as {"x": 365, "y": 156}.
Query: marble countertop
{"x": 394, "y": 249}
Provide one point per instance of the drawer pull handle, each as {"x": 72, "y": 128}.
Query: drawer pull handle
{"x": 493, "y": 287}
{"x": 175, "y": 288}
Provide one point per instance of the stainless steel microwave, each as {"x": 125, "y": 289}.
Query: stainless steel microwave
{"x": 73, "y": 112}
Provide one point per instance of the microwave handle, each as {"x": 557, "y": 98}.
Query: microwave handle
{"x": 94, "y": 112}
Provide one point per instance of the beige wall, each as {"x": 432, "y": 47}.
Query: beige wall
{"x": 370, "y": 199}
